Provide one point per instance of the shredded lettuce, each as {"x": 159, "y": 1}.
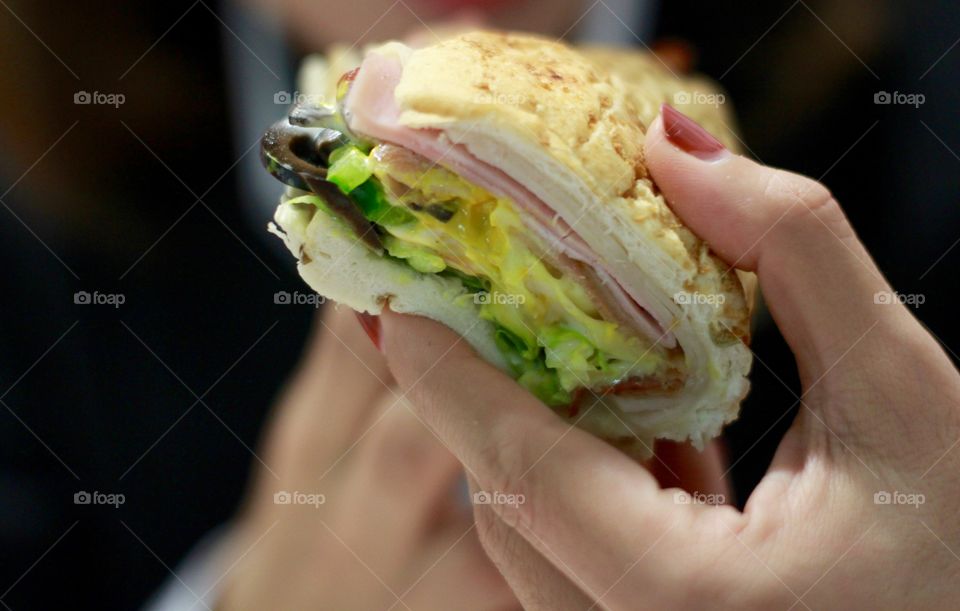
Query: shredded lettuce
{"x": 473, "y": 284}
{"x": 527, "y": 366}
{"x": 373, "y": 203}
{"x": 419, "y": 258}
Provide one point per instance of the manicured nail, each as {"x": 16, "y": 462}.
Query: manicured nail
{"x": 371, "y": 326}
{"x": 684, "y": 133}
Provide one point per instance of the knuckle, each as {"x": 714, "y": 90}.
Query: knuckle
{"x": 502, "y": 544}
{"x": 507, "y": 461}
{"x": 804, "y": 201}
{"x": 794, "y": 190}
{"x": 491, "y": 532}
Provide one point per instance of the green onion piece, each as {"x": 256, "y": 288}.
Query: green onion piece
{"x": 349, "y": 168}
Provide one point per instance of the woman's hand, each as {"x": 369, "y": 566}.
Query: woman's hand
{"x": 355, "y": 506}
{"x": 858, "y": 509}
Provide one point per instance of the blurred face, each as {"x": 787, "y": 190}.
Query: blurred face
{"x": 314, "y": 24}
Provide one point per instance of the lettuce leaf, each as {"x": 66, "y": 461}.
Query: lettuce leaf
{"x": 530, "y": 372}
{"x": 420, "y": 258}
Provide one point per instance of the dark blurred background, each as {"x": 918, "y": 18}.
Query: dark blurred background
{"x": 153, "y": 201}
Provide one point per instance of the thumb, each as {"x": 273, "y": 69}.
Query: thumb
{"x": 817, "y": 278}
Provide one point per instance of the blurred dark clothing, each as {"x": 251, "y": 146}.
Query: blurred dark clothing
{"x": 121, "y": 422}
{"x": 99, "y": 401}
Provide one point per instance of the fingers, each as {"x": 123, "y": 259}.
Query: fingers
{"x": 535, "y": 581}
{"x": 816, "y": 276}
{"x": 340, "y": 351}
{"x": 514, "y": 445}
{"x": 399, "y": 478}
{"x": 333, "y": 393}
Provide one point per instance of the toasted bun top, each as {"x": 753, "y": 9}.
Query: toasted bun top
{"x": 545, "y": 90}
{"x": 648, "y": 82}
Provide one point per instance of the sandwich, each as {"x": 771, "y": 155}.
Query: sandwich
{"x": 495, "y": 182}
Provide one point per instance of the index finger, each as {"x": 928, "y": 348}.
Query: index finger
{"x": 567, "y": 488}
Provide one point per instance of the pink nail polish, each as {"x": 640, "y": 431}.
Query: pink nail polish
{"x": 371, "y": 326}
{"x": 684, "y": 133}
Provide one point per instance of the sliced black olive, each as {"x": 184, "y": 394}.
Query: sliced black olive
{"x": 291, "y": 153}
{"x": 443, "y": 211}
{"x": 343, "y": 207}
{"x": 298, "y": 156}
{"x": 305, "y": 115}
{"x": 309, "y": 116}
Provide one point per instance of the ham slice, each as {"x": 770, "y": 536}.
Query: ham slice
{"x": 371, "y": 110}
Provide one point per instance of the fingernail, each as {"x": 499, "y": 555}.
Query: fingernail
{"x": 371, "y": 326}
{"x": 684, "y": 133}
